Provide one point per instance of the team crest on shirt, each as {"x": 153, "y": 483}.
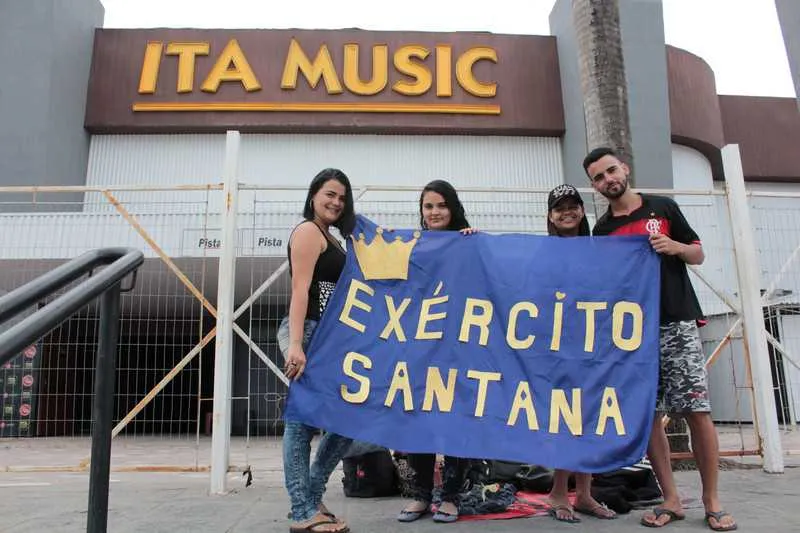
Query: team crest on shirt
{"x": 653, "y": 226}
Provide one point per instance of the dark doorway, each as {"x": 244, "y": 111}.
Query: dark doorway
{"x": 772, "y": 316}
{"x": 148, "y": 349}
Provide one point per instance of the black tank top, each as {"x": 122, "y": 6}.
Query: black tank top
{"x": 327, "y": 270}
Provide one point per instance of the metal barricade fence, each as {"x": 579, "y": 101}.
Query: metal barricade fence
{"x": 165, "y": 378}
{"x": 502, "y": 211}
{"x": 777, "y": 235}
{"x": 165, "y": 318}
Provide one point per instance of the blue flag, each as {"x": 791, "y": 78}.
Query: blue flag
{"x": 542, "y": 350}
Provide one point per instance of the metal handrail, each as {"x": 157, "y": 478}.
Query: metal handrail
{"x": 105, "y": 284}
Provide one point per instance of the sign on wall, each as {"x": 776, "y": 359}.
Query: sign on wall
{"x": 282, "y": 80}
{"x": 19, "y": 381}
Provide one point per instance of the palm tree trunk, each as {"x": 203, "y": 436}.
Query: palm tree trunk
{"x": 602, "y": 71}
{"x": 605, "y": 107}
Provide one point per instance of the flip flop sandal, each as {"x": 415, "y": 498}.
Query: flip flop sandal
{"x": 444, "y": 518}
{"x": 571, "y": 519}
{"x": 411, "y": 516}
{"x": 660, "y": 511}
{"x": 597, "y": 512}
{"x": 323, "y": 510}
{"x": 718, "y": 517}
{"x": 314, "y": 528}
{"x": 328, "y": 514}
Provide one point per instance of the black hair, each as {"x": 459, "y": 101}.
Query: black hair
{"x": 458, "y": 219}
{"x": 347, "y": 219}
{"x": 596, "y": 154}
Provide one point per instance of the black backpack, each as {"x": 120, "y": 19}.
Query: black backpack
{"x": 631, "y": 487}
{"x": 529, "y": 478}
{"x": 370, "y": 475}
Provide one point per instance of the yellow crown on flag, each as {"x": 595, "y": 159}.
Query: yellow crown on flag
{"x": 382, "y": 260}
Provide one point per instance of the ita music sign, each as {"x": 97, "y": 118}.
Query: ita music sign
{"x": 336, "y": 80}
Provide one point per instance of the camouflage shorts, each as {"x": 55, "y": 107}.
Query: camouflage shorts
{"x": 683, "y": 382}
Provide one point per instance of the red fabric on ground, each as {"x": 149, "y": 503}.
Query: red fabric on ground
{"x": 527, "y": 504}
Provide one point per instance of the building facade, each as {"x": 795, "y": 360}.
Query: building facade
{"x": 143, "y": 113}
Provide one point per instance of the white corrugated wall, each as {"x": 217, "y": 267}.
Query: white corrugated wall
{"x": 389, "y": 160}
{"x": 294, "y": 159}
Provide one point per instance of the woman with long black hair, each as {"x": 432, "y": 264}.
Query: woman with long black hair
{"x": 316, "y": 260}
{"x": 440, "y": 210}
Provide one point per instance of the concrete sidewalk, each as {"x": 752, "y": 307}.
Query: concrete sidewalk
{"x": 178, "y": 502}
{"x": 56, "y": 501}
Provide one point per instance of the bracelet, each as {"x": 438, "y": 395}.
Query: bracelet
{"x": 295, "y": 342}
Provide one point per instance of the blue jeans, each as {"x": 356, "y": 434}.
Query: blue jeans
{"x": 306, "y": 483}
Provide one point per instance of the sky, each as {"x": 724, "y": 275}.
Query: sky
{"x": 740, "y": 39}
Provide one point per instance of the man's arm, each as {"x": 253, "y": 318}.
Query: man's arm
{"x": 691, "y": 254}
{"x": 687, "y": 243}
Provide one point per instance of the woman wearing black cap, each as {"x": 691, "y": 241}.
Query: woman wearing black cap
{"x": 565, "y": 214}
{"x": 567, "y": 218}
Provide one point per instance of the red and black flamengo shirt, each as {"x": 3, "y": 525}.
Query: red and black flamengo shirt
{"x": 659, "y": 214}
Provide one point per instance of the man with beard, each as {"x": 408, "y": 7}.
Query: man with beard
{"x": 682, "y": 387}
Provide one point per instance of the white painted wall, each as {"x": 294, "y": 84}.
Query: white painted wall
{"x": 373, "y": 160}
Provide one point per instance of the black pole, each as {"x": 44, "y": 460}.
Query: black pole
{"x": 103, "y": 411}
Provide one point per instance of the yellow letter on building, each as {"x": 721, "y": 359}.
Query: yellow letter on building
{"x": 416, "y": 71}
{"x": 231, "y": 65}
{"x": 152, "y": 61}
{"x": 465, "y": 76}
{"x": 444, "y": 70}
{"x": 322, "y": 67}
{"x": 380, "y": 70}
{"x": 186, "y": 53}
